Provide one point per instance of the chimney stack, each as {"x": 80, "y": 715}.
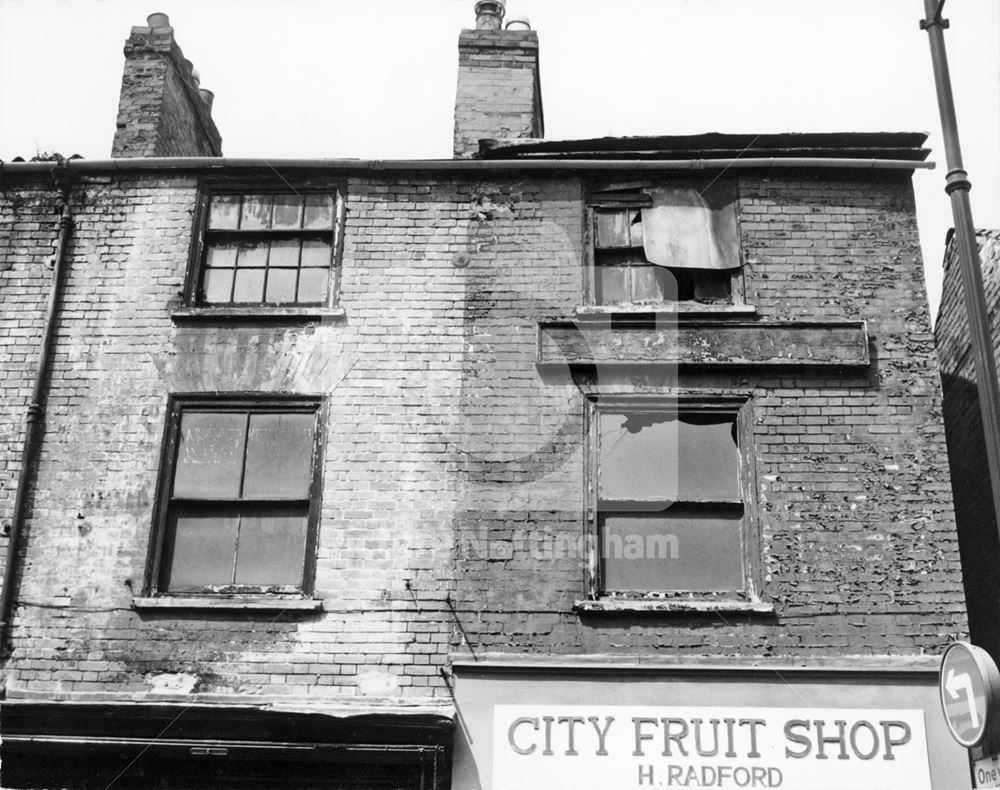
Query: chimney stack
{"x": 499, "y": 93}
{"x": 161, "y": 111}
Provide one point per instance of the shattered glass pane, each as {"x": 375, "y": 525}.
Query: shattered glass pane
{"x": 638, "y": 456}
{"x": 709, "y": 469}
{"x": 649, "y": 456}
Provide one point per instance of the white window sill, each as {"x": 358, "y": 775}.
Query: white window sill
{"x": 636, "y": 605}
{"x": 240, "y": 603}
{"x": 680, "y": 309}
{"x": 254, "y": 313}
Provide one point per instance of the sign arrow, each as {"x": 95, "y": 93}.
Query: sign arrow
{"x": 956, "y": 682}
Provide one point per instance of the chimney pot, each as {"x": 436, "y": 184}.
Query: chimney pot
{"x": 158, "y": 19}
{"x": 489, "y": 14}
{"x": 518, "y": 23}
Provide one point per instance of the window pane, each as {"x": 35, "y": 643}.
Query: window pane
{"x": 638, "y": 456}
{"x": 253, "y": 253}
{"x": 713, "y": 286}
{"x": 217, "y": 285}
{"x": 613, "y": 228}
{"x": 647, "y": 283}
{"x": 272, "y": 549}
{"x": 313, "y": 285}
{"x": 681, "y": 549}
{"x": 256, "y": 214}
{"x": 284, "y": 252}
{"x": 660, "y": 456}
{"x": 224, "y": 212}
{"x": 281, "y": 285}
{"x": 635, "y": 228}
{"x": 249, "y": 285}
{"x": 612, "y": 284}
{"x": 221, "y": 256}
{"x": 198, "y": 550}
{"x": 287, "y": 211}
{"x": 319, "y": 212}
{"x": 209, "y": 455}
{"x": 279, "y": 456}
{"x": 315, "y": 253}
{"x": 710, "y": 463}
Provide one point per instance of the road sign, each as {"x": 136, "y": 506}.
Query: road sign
{"x": 970, "y": 691}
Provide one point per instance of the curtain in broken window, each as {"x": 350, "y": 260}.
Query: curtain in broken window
{"x": 691, "y": 228}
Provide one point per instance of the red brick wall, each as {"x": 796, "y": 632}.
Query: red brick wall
{"x": 442, "y": 432}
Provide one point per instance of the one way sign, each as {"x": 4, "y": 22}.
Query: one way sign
{"x": 970, "y": 691}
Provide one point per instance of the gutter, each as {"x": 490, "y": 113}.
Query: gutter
{"x": 34, "y": 414}
{"x": 213, "y": 163}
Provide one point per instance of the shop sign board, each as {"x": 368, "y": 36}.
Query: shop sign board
{"x": 594, "y": 747}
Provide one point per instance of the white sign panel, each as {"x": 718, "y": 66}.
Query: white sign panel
{"x": 987, "y": 771}
{"x": 596, "y": 747}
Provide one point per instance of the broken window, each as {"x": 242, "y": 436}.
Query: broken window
{"x": 241, "y": 495}
{"x": 265, "y": 248}
{"x": 670, "y": 508}
{"x": 655, "y": 244}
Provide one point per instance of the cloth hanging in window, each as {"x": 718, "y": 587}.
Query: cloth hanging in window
{"x": 683, "y": 229}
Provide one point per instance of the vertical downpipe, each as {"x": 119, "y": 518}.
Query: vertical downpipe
{"x": 63, "y": 179}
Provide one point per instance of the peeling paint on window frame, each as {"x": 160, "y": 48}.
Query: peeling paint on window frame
{"x": 738, "y": 404}
{"x": 177, "y": 404}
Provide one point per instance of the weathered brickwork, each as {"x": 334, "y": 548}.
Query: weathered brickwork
{"x": 499, "y": 94}
{"x": 966, "y": 448}
{"x": 452, "y": 463}
{"x": 160, "y": 110}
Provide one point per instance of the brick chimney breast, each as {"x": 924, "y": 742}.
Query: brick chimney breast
{"x": 161, "y": 111}
{"x": 499, "y": 93}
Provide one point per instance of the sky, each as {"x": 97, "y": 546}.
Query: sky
{"x": 376, "y": 78}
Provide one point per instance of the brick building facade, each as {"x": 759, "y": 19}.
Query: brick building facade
{"x": 350, "y": 471}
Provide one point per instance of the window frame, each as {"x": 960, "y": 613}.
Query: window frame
{"x": 634, "y": 199}
{"x": 177, "y": 405}
{"x": 263, "y": 186}
{"x": 738, "y": 405}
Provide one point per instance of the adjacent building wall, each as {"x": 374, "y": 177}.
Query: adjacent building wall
{"x": 977, "y": 527}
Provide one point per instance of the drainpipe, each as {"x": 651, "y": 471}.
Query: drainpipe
{"x": 63, "y": 179}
